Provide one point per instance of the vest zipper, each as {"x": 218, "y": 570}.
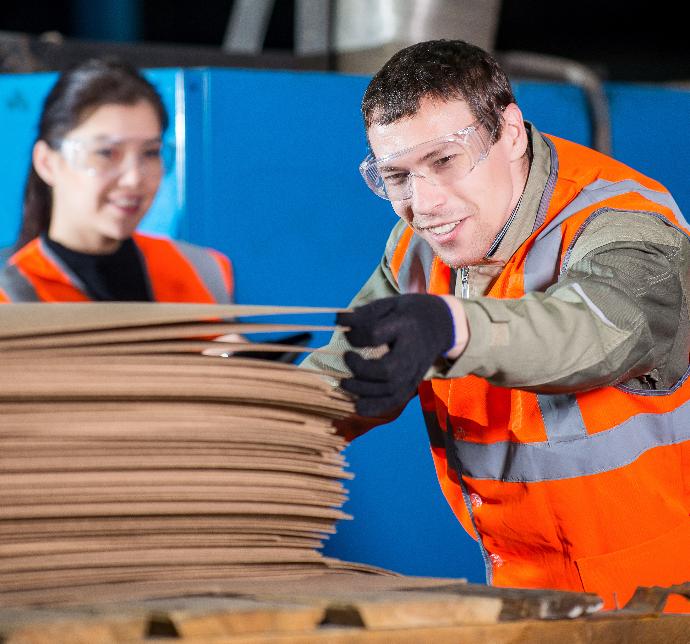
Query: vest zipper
{"x": 464, "y": 282}
{"x": 455, "y": 463}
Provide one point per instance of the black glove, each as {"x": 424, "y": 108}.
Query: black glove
{"x": 417, "y": 329}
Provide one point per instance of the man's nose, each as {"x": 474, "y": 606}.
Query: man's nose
{"x": 426, "y": 195}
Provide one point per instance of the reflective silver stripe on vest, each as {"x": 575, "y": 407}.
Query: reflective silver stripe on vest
{"x": 563, "y": 459}
{"x": 19, "y": 289}
{"x": 562, "y": 418}
{"x": 207, "y": 268}
{"x": 542, "y": 261}
{"x": 16, "y": 286}
{"x": 613, "y": 189}
{"x": 66, "y": 270}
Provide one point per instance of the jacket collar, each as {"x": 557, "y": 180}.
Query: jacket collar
{"x": 525, "y": 219}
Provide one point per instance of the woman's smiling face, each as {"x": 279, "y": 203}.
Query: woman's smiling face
{"x": 95, "y": 209}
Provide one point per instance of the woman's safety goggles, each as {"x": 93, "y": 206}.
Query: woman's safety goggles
{"x": 440, "y": 161}
{"x": 106, "y": 157}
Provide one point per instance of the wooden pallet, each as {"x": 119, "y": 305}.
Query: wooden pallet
{"x": 342, "y": 608}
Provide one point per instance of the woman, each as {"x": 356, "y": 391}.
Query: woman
{"x": 96, "y": 166}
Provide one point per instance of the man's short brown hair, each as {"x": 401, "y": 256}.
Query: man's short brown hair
{"x": 445, "y": 70}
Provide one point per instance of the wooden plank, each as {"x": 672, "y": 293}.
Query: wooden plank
{"x": 53, "y": 627}
{"x": 652, "y": 601}
{"x": 447, "y": 605}
{"x": 527, "y": 603}
{"x": 348, "y": 591}
{"x": 193, "y": 617}
{"x": 666, "y": 630}
{"x": 395, "y": 609}
{"x": 239, "y": 616}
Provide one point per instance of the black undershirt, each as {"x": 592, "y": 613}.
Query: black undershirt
{"x": 117, "y": 277}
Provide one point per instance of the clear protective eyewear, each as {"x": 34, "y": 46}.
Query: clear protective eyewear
{"x": 440, "y": 161}
{"x": 110, "y": 157}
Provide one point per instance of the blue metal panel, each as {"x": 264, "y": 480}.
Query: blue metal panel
{"x": 651, "y": 132}
{"x": 21, "y": 98}
{"x": 169, "y": 208}
{"x": 282, "y": 184}
{"x": 21, "y": 101}
{"x": 194, "y": 158}
{"x": 555, "y": 108}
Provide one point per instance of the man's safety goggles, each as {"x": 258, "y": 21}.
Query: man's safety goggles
{"x": 440, "y": 161}
{"x": 106, "y": 157}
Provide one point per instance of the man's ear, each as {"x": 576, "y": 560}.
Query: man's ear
{"x": 515, "y": 132}
{"x": 44, "y": 159}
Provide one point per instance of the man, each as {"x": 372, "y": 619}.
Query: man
{"x": 535, "y": 293}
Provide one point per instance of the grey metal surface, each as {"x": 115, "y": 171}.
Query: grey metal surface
{"x": 367, "y": 32}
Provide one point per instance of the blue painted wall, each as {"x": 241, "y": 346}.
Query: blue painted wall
{"x": 651, "y": 132}
{"x": 267, "y": 173}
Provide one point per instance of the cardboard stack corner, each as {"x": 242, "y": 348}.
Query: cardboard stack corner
{"x": 127, "y": 456}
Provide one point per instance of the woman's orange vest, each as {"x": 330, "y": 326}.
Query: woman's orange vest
{"x": 587, "y": 491}
{"x": 176, "y": 272}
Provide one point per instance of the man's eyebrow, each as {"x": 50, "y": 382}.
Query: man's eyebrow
{"x": 428, "y": 155}
{"x": 392, "y": 168}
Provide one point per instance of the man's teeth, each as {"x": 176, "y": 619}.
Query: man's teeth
{"x": 126, "y": 203}
{"x": 444, "y": 229}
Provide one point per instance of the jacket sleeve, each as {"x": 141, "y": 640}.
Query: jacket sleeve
{"x": 618, "y": 314}
{"x": 330, "y": 357}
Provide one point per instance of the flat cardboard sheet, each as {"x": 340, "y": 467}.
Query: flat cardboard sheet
{"x": 30, "y": 320}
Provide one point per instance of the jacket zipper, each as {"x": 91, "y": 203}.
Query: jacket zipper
{"x": 464, "y": 282}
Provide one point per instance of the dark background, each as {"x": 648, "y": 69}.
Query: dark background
{"x": 621, "y": 40}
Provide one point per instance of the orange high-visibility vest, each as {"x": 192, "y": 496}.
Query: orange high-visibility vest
{"x": 586, "y": 491}
{"x": 176, "y": 272}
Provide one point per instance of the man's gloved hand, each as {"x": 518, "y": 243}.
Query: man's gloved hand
{"x": 417, "y": 329}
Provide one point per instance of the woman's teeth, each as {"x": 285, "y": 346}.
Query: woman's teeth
{"x": 126, "y": 203}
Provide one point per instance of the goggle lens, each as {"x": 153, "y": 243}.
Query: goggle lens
{"x": 110, "y": 158}
{"x": 440, "y": 161}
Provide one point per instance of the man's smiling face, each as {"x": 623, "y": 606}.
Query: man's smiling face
{"x": 459, "y": 218}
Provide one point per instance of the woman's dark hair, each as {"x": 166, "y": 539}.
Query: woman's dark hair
{"x": 78, "y": 93}
{"x": 445, "y": 70}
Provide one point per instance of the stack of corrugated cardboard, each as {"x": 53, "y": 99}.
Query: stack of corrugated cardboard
{"x": 127, "y": 456}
